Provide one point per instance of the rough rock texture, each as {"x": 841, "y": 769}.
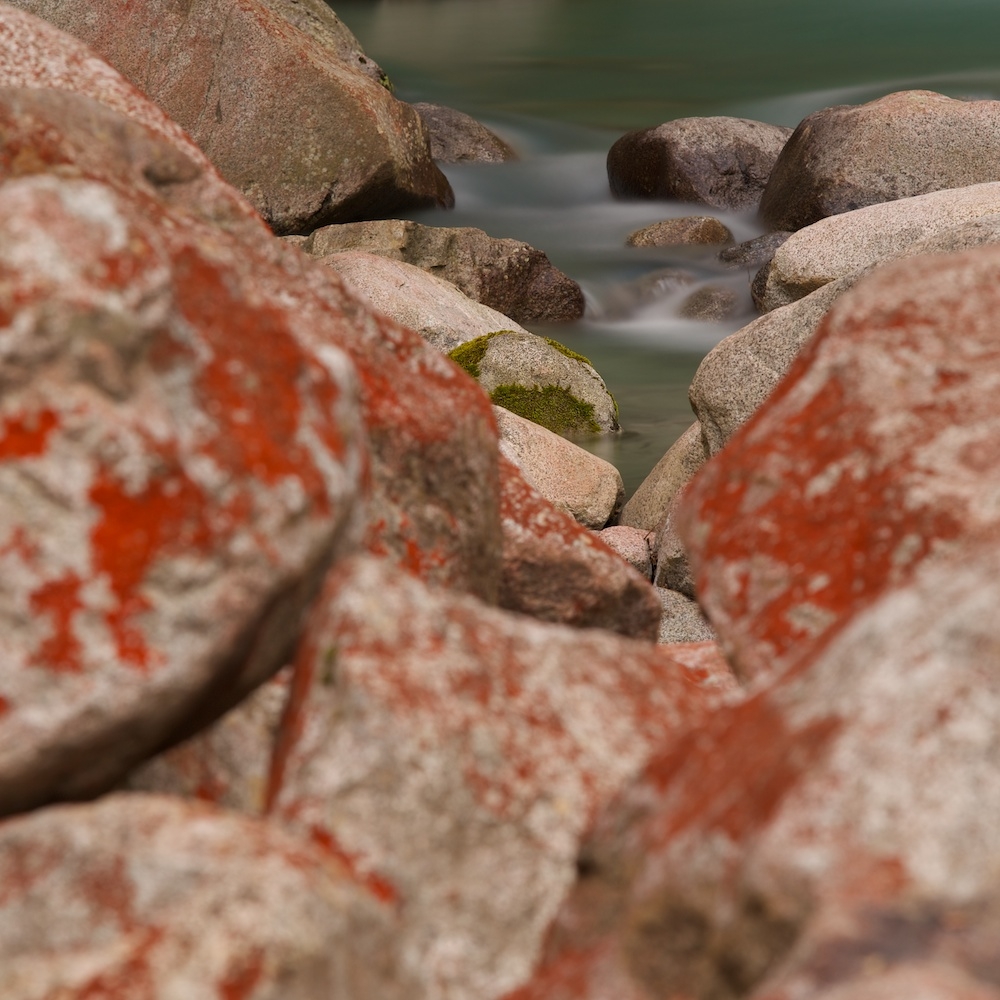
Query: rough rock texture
{"x": 672, "y": 568}
{"x": 542, "y": 380}
{"x": 507, "y": 275}
{"x": 711, "y": 303}
{"x": 682, "y": 619}
{"x": 274, "y": 92}
{"x": 697, "y": 229}
{"x": 458, "y": 138}
{"x": 455, "y": 754}
{"x": 706, "y": 661}
{"x": 632, "y": 544}
{"x": 845, "y": 244}
{"x": 557, "y": 570}
{"x": 833, "y": 836}
{"x": 435, "y": 308}
{"x": 909, "y": 143}
{"x": 754, "y": 253}
{"x": 143, "y": 896}
{"x": 180, "y": 466}
{"x": 874, "y": 453}
{"x": 740, "y": 372}
{"x": 646, "y": 507}
{"x": 722, "y": 162}
{"x": 588, "y": 488}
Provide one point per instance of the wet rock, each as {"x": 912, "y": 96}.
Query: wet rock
{"x": 586, "y": 487}
{"x": 507, "y": 275}
{"x": 456, "y": 754}
{"x": 151, "y": 896}
{"x": 845, "y": 244}
{"x": 237, "y": 76}
{"x": 180, "y": 465}
{"x": 905, "y": 144}
{"x": 632, "y": 544}
{"x": 682, "y": 619}
{"x": 541, "y": 380}
{"x": 458, "y": 138}
{"x": 873, "y": 453}
{"x": 630, "y": 297}
{"x": 696, "y": 229}
{"x": 831, "y": 836}
{"x": 755, "y": 253}
{"x": 721, "y": 162}
{"x": 433, "y": 307}
{"x": 646, "y": 507}
{"x": 711, "y": 303}
{"x": 556, "y": 570}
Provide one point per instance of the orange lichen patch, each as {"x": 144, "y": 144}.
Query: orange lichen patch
{"x": 107, "y": 890}
{"x": 5, "y": 706}
{"x": 27, "y": 435}
{"x": 573, "y": 974}
{"x": 59, "y": 600}
{"x": 132, "y": 977}
{"x": 382, "y": 889}
{"x": 240, "y": 983}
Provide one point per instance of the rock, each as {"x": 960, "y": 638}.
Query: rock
{"x": 979, "y": 232}
{"x": 682, "y": 620}
{"x": 586, "y": 487}
{"x": 458, "y": 138}
{"x": 646, "y": 507}
{"x": 755, "y": 253}
{"x": 433, "y": 307}
{"x": 632, "y": 544}
{"x": 626, "y": 299}
{"x": 180, "y": 465}
{"x": 556, "y": 570}
{"x": 673, "y": 571}
{"x": 711, "y": 303}
{"x": 541, "y": 380}
{"x": 721, "y": 162}
{"x": 239, "y": 76}
{"x": 698, "y": 229}
{"x": 151, "y": 896}
{"x": 740, "y": 372}
{"x": 832, "y": 836}
{"x": 874, "y": 452}
{"x": 507, "y": 275}
{"x": 457, "y": 753}
{"x": 905, "y": 144}
{"x": 845, "y": 244}
{"x": 705, "y": 661}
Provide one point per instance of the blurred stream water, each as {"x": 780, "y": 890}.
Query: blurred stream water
{"x": 562, "y": 79}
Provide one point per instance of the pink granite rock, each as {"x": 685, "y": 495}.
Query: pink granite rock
{"x": 143, "y": 896}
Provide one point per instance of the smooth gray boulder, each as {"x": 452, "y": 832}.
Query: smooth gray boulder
{"x": 587, "y": 487}
{"x": 905, "y": 144}
{"x": 458, "y": 138}
{"x": 507, "y": 275}
{"x": 848, "y": 243}
{"x": 722, "y": 162}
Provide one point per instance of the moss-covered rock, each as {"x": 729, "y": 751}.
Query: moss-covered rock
{"x": 552, "y": 406}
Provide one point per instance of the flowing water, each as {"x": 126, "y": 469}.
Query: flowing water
{"x": 562, "y": 79}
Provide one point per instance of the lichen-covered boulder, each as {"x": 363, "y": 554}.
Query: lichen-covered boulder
{"x": 905, "y": 144}
{"x": 542, "y": 380}
{"x": 458, "y": 138}
{"x": 507, "y": 275}
{"x": 276, "y": 93}
{"x": 149, "y": 896}
{"x": 721, "y": 162}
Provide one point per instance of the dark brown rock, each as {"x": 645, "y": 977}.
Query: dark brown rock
{"x": 458, "y": 138}
{"x": 696, "y": 229}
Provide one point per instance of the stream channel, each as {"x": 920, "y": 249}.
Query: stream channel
{"x": 562, "y": 79}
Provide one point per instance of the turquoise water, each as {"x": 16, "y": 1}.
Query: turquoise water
{"x": 562, "y": 79}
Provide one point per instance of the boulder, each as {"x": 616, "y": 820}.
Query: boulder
{"x": 712, "y": 303}
{"x": 507, "y": 275}
{"x": 433, "y": 307}
{"x": 542, "y": 380}
{"x": 276, "y": 94}
{"x": 706, "y": 662}
{"x": 682, "y": 620}
{"x": 625, "y": 300}
{"x": 848, "y": 243}
{"x": 632, "y": 544}
{"x": 144, "y": 896}
{"x": 875, "y": 452}
{"x": 585, "y": 486}
{"x": 456, "y": 754}
{"x": 832, "y": 836}
{"x": 695, "y": 229}
{"x": 458, "y": 138}
{"x": 721, "y": 162}
{"x": 753, "y": 254}
{"x": 180, "y": 465}
{"x": 556, "y": 570}
{"x": 672, "y": 569}
{"x": 905, "y": 144}
{"x": 646, "y": 507}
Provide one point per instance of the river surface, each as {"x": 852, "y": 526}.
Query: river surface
{"x": 562, "y": 79}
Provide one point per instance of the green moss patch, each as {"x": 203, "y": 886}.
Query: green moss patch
{"x": 470, "y": 355}
{"x": 552, "y": 406}
{"x": 563, "y": 349}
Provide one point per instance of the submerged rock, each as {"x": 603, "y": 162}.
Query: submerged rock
{"x": 721, "y": 162}
{"x": 458, "y": 138}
